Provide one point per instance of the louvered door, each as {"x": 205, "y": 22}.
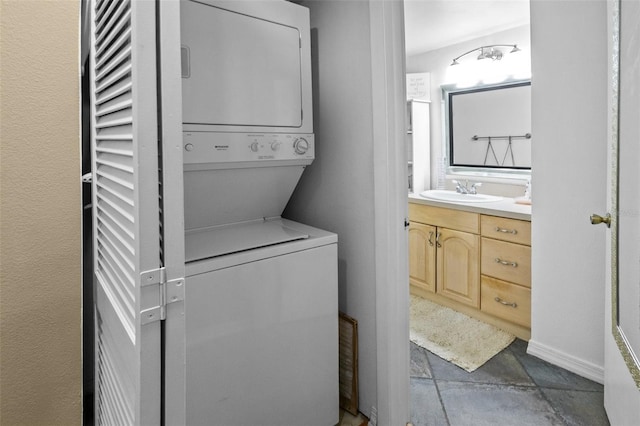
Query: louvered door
{"x": 126, "y": 213}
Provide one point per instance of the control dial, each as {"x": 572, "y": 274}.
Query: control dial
{"x": 300, "y": 146}
{"x": 275, "y": 146}
{"x": 254, "y": 146}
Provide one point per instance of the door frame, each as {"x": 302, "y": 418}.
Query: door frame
{"x": 391, "y": 211}
{"x": 170, "y": 119}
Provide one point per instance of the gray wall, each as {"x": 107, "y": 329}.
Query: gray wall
{"x": 336, "y": 191}
{"x": 569, "y": 119}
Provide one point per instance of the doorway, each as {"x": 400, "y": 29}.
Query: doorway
{"x": 585, "y": 344}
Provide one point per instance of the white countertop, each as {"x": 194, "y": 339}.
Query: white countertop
{"x": 506, "y": 207}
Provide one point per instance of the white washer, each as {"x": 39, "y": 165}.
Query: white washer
{"x": 262, "y": 326}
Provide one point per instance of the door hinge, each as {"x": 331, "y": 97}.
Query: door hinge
{"x": 168, "y": 292}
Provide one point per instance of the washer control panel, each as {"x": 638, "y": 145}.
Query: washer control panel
{"x": 218, "y": 147}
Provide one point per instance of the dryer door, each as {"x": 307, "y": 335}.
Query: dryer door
{"x": 239, "y": 69}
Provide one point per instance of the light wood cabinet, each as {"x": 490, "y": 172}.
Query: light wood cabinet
{"x": 477, "y": 264}
{"x": 443, "y": 257}
{"x": 506, "y": 269}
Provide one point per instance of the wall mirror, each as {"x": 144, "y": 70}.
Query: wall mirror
{"x": 488, "y": 127}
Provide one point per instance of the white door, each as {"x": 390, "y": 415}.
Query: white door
{"x": 622, "y": 328}
{"x": 132, "y": 251}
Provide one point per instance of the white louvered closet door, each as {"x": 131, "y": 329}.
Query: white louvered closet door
{"x": 127, "y": 227}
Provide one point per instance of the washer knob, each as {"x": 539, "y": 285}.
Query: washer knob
{"x": 188, "y": 147}
{"x": 254, "y": 146}
{"x": 300, "y": 146}
{"x": 275, "y": 146}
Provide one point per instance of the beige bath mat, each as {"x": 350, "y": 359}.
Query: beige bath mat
{"x": 453, "y": 336}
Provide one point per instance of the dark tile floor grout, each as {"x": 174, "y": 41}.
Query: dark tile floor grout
{"x": 513, "y": 388}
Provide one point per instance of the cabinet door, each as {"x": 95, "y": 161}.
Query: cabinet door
{"x": 458, "y": 260}
{"x": 422, "y": 256}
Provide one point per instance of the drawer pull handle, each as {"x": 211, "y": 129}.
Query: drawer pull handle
{"x": 506, "y": 231}
{"x": 502, "y": 302}
{"x": 506, "y": 262}
{"x": 430, "y": 238}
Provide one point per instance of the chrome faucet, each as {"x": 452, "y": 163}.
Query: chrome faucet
{"x": 464, "y": 188}
{"x": 461, "y": 188}
{"x": 474, "y": 188}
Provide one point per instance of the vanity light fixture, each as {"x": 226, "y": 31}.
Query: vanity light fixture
{"x": 488, "y": 52}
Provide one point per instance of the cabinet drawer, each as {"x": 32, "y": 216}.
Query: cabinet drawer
{"x": 447, "y": 218}
{"x": 505, "y": 300}
{"x": 500, "y": 228}
{"x": 506, "y": 261}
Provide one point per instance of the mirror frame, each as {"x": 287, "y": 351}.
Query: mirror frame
{"x": 632, "y": 362}
{"x": 505, "y": 172}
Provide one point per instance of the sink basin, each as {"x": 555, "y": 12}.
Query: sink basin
{"x": 442, "y": 195}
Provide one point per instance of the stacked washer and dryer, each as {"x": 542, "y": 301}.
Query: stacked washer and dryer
{"x": 261, "y": 306}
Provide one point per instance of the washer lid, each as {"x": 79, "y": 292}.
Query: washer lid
{"x": 226, "y": 239}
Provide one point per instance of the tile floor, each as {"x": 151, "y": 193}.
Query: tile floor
{"x": 512, "y": 388}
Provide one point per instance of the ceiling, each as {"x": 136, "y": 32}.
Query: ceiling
{"x": 432, "y": 24}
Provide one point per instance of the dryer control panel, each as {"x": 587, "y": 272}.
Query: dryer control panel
{"x": 219, "y": 147}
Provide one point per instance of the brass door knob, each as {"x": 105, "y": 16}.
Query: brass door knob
{"x": 597, "y": 219}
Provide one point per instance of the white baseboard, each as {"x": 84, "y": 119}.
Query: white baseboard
{"x": 568, "y": 362}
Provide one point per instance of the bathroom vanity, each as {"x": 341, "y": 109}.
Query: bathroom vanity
{"x": 474, "y": 258}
